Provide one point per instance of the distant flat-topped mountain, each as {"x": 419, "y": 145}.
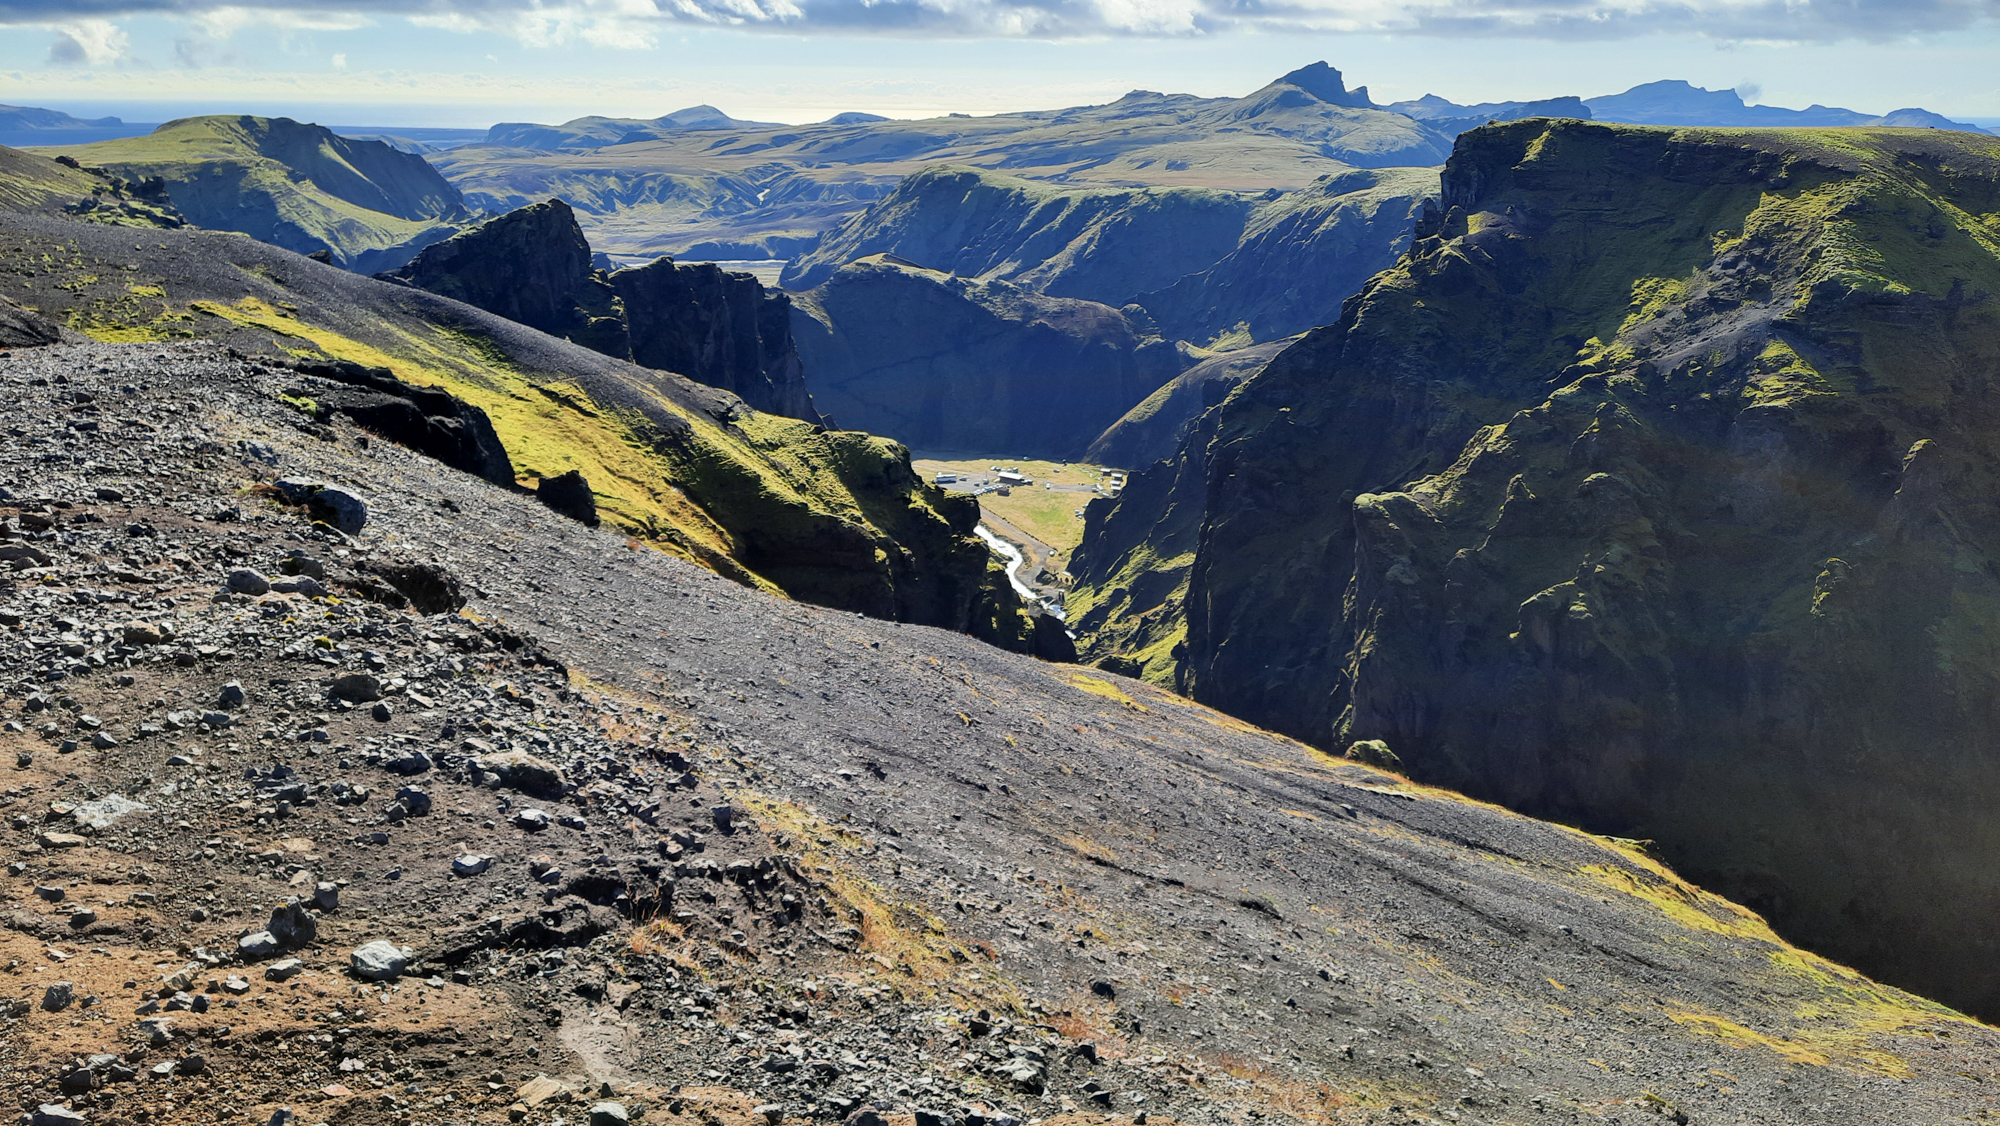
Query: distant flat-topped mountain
{"x": 1671, "y": 102}
{"x": 28, "y": 125}
{"x": 598, "y": 132}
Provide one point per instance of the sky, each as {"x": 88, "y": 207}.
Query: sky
{"x": 470, "y": 63}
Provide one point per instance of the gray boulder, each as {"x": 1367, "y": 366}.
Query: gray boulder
{"x": 245, "y": 581}
{"x": 380, "y": 960}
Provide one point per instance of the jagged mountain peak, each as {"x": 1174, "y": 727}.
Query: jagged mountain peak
{"x": 1325, "y": 83}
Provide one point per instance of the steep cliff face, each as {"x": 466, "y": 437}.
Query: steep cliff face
{"x": 1300, "y": 256}
{"x": 1654, "y": 489}
{"x": 1100, "y": 244}
{"x": 533, "y": 266}
{"x": 722, "y": 325}
{"x": 947, "y": 363}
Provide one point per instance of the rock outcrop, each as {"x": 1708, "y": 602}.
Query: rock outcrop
{"x": 425, "y": 419}
{"x": 948, "y": 363}
{"x": 1654, "y": 490}
{"x": 533, "y": 266}
{"x": 22, "y": 328}
{"x": 723, "y": 329}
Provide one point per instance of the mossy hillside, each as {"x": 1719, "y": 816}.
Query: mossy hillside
{"x": 835, "y": 517}
{"x": 36, "y": 184}
{"x": 1652, "y": 490}
{"x": 292, "y": 185}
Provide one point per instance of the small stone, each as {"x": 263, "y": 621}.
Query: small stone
{"x": 414, "y": 801}
{"x": 58, "y": 996}
{"x": 100, "y": 814}
{"x": 772, "y": 1113}
{"x": 519, "y": 770}
{"x": 285, "y": 969}
{"x": 382, "y": 712}
{"x": 60, "y": 840}
{"x": 102, "y": 742}
{"x": 235, "y": 985}
{"x": 541, "y": 1089}
{"x": 82, "y": 917}
{"x": 245, "y": 581}
{"x": 143, "y": 633}
{"x": 415, "y": 762}
{"x": 51, "y": 893}
{"x": 56, "y": 1114}
{"x": 258, "y": 944}
{"x": 231, "y": 696}
{"x": 471, "y": 865}
{"x": 531, "y": 820}
{"x": 359, "y": 687}
{"x": 379, "y": 960}
{"x": 610, "y": 1114}
{"x": 326, "y": 897}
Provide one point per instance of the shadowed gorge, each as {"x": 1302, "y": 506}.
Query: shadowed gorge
{"x": 1652, "y": 489}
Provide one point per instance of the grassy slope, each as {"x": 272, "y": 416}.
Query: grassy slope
{"x": 294, "y": 186}
{"x": 832, "y": 516}
{"x": 32, "y": 183}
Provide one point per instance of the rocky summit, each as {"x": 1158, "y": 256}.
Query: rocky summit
{"x": 1651, "y": 490}
{"x": 297, "y": 834}
{"x": 535, "y": 267}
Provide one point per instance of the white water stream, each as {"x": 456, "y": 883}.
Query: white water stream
{"x": 1012, "y": 555}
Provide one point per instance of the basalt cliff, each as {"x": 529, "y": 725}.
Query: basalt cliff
{"x": 534, "y": 266}
{"x": 1651, "y": 490}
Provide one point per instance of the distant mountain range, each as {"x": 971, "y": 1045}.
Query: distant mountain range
{"x": 1671, "y": 102}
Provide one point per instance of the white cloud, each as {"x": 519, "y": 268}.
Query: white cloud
{"x": 636, "y": 23}
{"x": 224, "y": 21}
{"x": 89, "y": 42}
{"x": 340, "y": 61}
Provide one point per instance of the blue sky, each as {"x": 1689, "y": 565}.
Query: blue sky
{"x": 472, "y": 62}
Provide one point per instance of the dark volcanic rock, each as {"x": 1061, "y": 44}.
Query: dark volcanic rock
{"x": 428, "y": 421}
{"x": 535, "y": 267}
{"x": 569, "y": 494}
{"x": 20, "y": 328}
{"x": 527, "y": 266}
{"x": 720, "y": 328}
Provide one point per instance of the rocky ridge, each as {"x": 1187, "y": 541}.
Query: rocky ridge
{"x": 834, "y": 517}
